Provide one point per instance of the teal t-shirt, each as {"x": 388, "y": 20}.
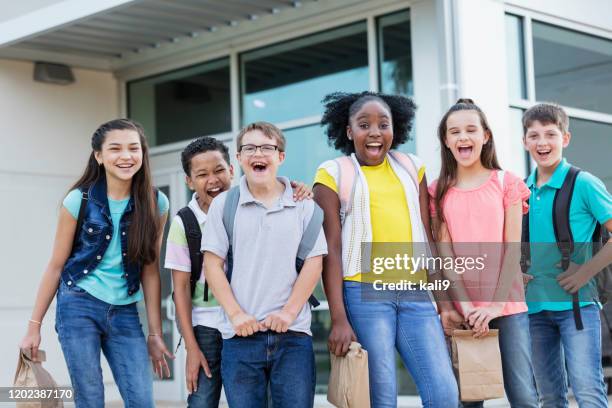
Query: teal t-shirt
{"x": 591, "y": 203}
{"x": 106, "y": 282}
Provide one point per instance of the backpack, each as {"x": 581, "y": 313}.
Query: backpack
{"x": 193, "y": 234}
{"x": 347, "y": 180}
{"x": 565, "y": 242}
{"x": 309, "y": 238}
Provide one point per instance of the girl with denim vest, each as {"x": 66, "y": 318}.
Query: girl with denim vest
{"x": 97, "y": 270}
{"x": 375, "y": 200}
{"x": 477, "y": 210}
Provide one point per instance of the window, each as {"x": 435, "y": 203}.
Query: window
{"x": 516, "y": 134}
{"x": 306, "y": 149}
{"x": 590, "y": 148}
{"x": 517, "y": 88}
{"x": 287, "y": 81}
{"x": 395, "y": 54}
{"x": 571, "y": 68}
{"x": 183, "y": 104}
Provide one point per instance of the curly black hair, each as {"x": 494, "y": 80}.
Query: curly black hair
{"x": 201, "y": 145}
{"x": 340, "y": 106}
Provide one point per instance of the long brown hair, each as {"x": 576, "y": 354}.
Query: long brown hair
{"x": 142, "y": 238}
{"x": 448, "y": 170}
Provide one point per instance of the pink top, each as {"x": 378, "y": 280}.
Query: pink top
{"x": 475, "y": 221}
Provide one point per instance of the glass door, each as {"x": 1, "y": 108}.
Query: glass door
{"x": 171, "y": 183}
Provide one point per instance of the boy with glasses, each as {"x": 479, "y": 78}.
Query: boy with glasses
{"x": 266, "y": 325}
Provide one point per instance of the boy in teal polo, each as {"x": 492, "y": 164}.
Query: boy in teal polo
{"x": 556, "y": 342}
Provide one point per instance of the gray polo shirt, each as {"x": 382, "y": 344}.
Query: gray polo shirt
{"x": 265, "y": 246}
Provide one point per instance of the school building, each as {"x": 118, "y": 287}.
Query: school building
{"x": 186, "y": 68}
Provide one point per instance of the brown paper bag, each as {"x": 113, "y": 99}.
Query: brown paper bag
{"x": 477, "y": 365}
{"x": 349, "y": 381}
{"x": 32, "y": 374}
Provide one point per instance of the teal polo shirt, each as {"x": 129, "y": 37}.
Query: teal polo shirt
{"x": 591, "y": 203}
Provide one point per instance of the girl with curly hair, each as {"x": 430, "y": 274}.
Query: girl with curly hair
{"x": 375, "y": 195}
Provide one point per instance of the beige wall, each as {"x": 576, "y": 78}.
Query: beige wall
{"x": 44, "y": 143}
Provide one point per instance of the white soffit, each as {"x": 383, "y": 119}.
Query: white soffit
{"x": 106, "y": 34}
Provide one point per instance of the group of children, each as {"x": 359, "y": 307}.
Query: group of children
{"x": 245, "y": 261}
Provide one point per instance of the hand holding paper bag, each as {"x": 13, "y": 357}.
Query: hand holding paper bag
{"x": 349, "y": 384}
{"x": 477, "y": 365}
{"x": 32, "y": 374}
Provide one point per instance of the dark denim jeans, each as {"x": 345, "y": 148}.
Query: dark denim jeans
{"x": 517, "y": 367}
{"x": 556, "y": 345}
{"x": 209, "y": 389}
{"x": 86, "y": 326}
{"x": 282, "y": 361}
{"x": 406, "y": 321}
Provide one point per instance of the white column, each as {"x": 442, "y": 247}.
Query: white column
{"x": 427, "y": 67}
{"x": 481, "y": 69}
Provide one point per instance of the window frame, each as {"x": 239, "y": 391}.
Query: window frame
{"x": 527, "y": 18}
{"x": 369, "y": 14}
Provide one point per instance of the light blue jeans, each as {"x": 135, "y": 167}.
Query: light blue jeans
{"x": 87, "y": 326}
{"x": 406, "y": 321}
{"x": 517, "y": 367}
{"x": 556, "y": 344}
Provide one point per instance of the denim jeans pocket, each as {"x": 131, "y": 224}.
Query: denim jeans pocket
{"x": 72, "y": 290}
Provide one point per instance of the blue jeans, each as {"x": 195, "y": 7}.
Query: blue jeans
{"x": 209, "y": 389}
{"x": 515, "y": 348}
{"x": 282, "y": 361}
{"x": 406, "y": 321}
{"x": 556, "y": 345}
{"x": 86, "y": 326}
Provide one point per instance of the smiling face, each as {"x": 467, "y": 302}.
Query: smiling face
{"x": 371, "y": 130}
{"x": 210, "y": 175}
{"x": 545, "y": 143}
{"x": 465, "y": 137}
{"x": 121, "y": 154}
{"x": 261, "y": 166}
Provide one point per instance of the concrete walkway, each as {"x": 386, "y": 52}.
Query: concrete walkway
{"x": 321, "y": 403}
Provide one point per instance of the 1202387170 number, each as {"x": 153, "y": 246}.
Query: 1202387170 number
{"x": 26, "y": 393}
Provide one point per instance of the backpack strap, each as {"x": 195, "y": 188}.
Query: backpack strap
{"x": 407, "y": 164}
{"x": 229, "y": 215}
{"x": 563, "y": 232}
{"x": 80, "y": 217}
{"x": 525, "y": 241}
{"x": 309, "y": 239}
{"x": 347, "y": 181}
{"x": 193, "y": 234}
{"x": 501, "y": 174}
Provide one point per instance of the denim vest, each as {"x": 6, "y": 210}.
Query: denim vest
{"x": 95, "y": 236}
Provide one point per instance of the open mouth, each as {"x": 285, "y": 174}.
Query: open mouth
{"x": 465, "y": 151}
{"x": 213, "y": 192}
{"x": 259, "y": 167}
{"x": 374, "y": 148}
{"x": 543, "y": 154}
{"x": 125, "y": 166}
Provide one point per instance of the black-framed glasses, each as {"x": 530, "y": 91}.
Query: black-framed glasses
{"x": 266, "y": 149}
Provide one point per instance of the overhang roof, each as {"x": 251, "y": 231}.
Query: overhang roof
{"x": 103, "y": 34}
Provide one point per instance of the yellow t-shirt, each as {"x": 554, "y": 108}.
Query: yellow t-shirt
{"x": 389, "y": 214}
